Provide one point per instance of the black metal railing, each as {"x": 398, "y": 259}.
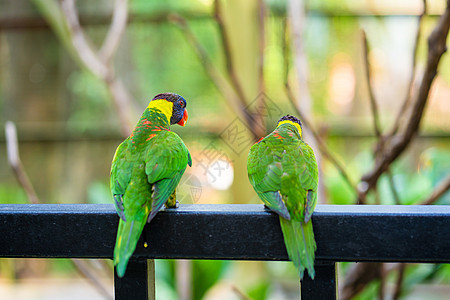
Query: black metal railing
{"x": 378, "y": 233}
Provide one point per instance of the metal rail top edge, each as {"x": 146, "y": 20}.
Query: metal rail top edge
{"x": 434, "y": 210}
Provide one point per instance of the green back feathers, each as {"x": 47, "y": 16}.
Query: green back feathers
{"x": 145, "y": 171}
{"x": 282, "y": 170}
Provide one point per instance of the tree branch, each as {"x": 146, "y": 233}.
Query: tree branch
{"x": 232, "y": 99}
{"x": 80, "y": 42}
{"x": 262, "y": 44}
{"x": 21, "y": 175}
{"x": 100, "y": 67}
{"x": 358, "y": 277}
{"x": 373, "y": 102}
{"x": 221, "y": 83}
{"x": 395, "y": 194}
{"x": 116, "y": 30}
{"x": 254, "y": 120}
{"x": 409, "y": 92}
{"x": 396, "y": 146}
{"x": 321, "y": 144}
{"x": 228, "y": 54}
{"x": 261, "y": 105}
{"x": 442, "y": 187}
{"x": 12, "y": 148}
{"x": 399, "y": 283}
{"x": 86, "y": 272}
{"x": 297, "y": 17}
{"x": 353, "y": 286}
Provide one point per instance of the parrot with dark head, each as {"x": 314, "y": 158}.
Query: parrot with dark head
{"x": 283, "y": 171}
{"x": 145, "y": 171}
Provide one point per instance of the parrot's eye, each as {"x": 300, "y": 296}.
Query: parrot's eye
{"x": 181, "y": 103}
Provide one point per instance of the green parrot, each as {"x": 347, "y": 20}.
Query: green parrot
{"x": 145, "y": 171}
{"x": 283, "y": 171}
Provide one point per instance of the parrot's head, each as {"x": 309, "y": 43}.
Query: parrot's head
{"x": 177, "y": 113}
{"x": 288, "y": 119}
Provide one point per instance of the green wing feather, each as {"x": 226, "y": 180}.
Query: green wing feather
{"x": 141, "y": 182}
{"x": 120, "y": 176}
{"x": 283, "y": 171}
{"x": 165, "y": 164}
{"x": 264, "y": 172}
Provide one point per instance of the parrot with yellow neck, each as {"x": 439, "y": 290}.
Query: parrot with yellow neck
{"x": 283, "y": 171}
{"x": 146, "y": 168}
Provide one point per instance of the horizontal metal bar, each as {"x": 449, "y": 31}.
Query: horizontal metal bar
{"x": 235, "y": 232}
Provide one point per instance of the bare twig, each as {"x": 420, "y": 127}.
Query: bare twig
{"x": 233, "y": 100}
{"x": 12, "y": 147}
{"x": 22, "y": 177}
{"x": 397, "y": 144}
{"x": 221, "y": 83}
{"x": 297, "y": 19}
{"x": 395, "y": 194}
{"x": 261, "y": 105}
{"x": 286, "y": 53}
{"x": 183, "y": 273}
{"x": 392, "y": 150}
{"x": 229, "y": 86}
{"x": 84, "y": 270}
{"x": 253, "y": 119}
{"x": 321, "y": 145}
{"x": 227, "y": 52}
{"x": 399, "y": 283}
{"x": 239, "y": 293}
{"x": 80, "y": 42}
{"x": 382, "y": 277}
{"x": 442, "y": 187}
{"x": 262, "y": 44}
{"x": 98, "y": 63}
{"x": 117, "y": 28}
{"x": 376, "y": 119}
{"x": 373, "y": 102}
{"x": 409, "y": 92}
{"x": 358, "y": 277}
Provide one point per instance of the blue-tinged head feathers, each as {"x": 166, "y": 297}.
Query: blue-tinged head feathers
{"x": 179, "y": 112}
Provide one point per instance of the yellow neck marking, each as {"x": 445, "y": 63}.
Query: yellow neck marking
{"x": 292, "y": 123}
{"x": 162, "y": 105}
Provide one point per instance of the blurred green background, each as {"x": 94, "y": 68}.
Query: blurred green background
{"x": 68, "y": 126}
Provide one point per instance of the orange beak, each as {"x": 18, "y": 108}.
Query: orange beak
{"x": 184, "y": 119}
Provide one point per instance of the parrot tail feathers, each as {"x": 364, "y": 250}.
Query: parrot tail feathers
{"x": 300, "y": 245}
{"x": 127, "y": 237}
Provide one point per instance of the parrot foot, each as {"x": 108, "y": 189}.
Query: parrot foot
{"x": 172, "y": 202}
{"x": 172, "y": 205}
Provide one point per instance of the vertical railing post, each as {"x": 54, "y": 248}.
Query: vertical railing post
{"x": 151, "y": 279}
{"x": 138, "y": 282}
{"x": 324, "y": 285}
